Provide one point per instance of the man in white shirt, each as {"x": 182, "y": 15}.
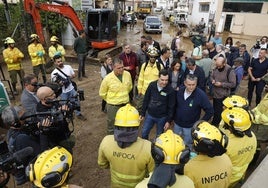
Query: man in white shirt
{"x": 63, "y": 74}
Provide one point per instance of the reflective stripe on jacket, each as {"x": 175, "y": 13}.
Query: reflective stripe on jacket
{"x": 129, "y": 165}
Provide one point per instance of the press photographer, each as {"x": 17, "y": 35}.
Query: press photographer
{"x": 58, "y": 133}
{"x": 17, "y": 139}
{"x": 63, "y": 75}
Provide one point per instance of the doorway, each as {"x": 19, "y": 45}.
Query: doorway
{"x": 228, "y": 22}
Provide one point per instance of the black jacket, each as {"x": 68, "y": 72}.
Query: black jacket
{"x": 159, "y": 103}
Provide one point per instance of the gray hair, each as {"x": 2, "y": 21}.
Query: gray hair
{"x": 191, "y": 77}
{"x": 8, "y": 115}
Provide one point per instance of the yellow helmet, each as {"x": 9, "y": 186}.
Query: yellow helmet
{"x": 54, "y": 39}
{"x": 236, "y": 117}
{"x": 208, "y": 139}
{"x": 127, "y": 116}
{"x": 9, "y": 40}
{"x": 169, "y": 148}
{"x": 235, "y": 101}
{"x": 51, "y": 168}
{"x": 153, "y": 52}
{"x": 34, "y": 36}
{"x": 206, "y": 130}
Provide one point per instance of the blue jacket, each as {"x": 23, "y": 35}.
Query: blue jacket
{"x": 188, "y": 111}
{"x": 159, "y": 103}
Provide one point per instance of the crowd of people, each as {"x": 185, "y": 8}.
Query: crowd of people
{"x": 192, "y": 101}
{"x": 200, "y": 121}
{"x": 44, "y": 118}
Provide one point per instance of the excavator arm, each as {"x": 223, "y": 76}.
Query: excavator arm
{"x": 62, "y": 8}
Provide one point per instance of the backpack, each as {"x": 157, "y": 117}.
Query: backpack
{"x": 173, "y": 44}
{"x": 157, "y": 64}
{"x": 198, "y": 40}
{"x": 236, "y": 82}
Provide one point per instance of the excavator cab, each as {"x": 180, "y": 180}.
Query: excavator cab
{"x": 101, "y": 27}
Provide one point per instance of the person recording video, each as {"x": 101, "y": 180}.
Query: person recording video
{"x": 19, "y": 139}
{"x": 62, "y": 75}
{"x": 58, "y": 133}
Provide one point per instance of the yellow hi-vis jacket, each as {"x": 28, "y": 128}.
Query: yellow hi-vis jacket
{"x": 52, "y": 50}
{"x": 33, "y": 49}
{"x": 260, "y": 112}
{"x": 13, "y": 58}
{"x": 241, "y": 151}
{"x": 115, "y": 92}
{"x": 129, "y": 165}
{"x": 147, "y": 76}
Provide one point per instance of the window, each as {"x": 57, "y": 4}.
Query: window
{"x": 242, "y": 7}
{"x": 204, "y": 7}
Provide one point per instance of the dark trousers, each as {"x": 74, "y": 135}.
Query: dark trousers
{"x": 212, "y": 33}
{"x": 218, "y": 108}
{"x": 103, "y": 105}
{"x": 259, "y": 88}
{"x": 40, "y": 68}
{"x": 81, "y": 68}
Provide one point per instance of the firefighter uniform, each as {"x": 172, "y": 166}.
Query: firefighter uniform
{"x": 13, "y": 58}
{"x": 168, "y": 151}
{"x": 129, "y": 165}
{"x": 241, "y": 152}
{"x": 211, "y": 168}
{"x": 242, "y": 141}
{"x": 37, "y": 52}
{"x": 209, "y": 172}
{"x": 33, "y": 50}
{"x": 116, "y": 93}
{"x": 260, "y": 123}
{"x": 56, "y": 48}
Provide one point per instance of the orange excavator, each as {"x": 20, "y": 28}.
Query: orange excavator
{"x": 100, "y": 26}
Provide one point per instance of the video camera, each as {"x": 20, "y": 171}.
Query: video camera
{"x": 11, "y": 162}
{"x": 54, "y": 86}
{"x": 63, "y": 81}
{"x": 56, "y": 115}
{"x": 257, "y": 45}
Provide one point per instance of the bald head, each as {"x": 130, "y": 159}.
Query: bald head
{"x": 220, "y": 62}
{"x": 44, "y": 92}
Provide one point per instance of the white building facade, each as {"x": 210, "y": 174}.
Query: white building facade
{"x": 247, "y": 17}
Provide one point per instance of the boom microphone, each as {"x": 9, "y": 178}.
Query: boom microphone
{"x": 11, "y": 160}
{"x": 22, "y": 154}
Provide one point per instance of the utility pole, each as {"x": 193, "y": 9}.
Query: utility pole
{"x": 7, "y": 13}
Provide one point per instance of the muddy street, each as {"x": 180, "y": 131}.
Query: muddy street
{"x": 85, "y": 171}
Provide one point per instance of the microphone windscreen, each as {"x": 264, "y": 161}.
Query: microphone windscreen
{"x": 22, "y": 154}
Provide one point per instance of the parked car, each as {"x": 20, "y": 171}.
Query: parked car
{"x": 129, "y": 17}
{"x": 152, "y": 24}
{"x": 158, "y": 9}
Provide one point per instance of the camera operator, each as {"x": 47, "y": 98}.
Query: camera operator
{"x": 260, "y": 44}
{"x": 28, "y": 98}
{"x": 18, "y": 139}
{"x": 63, "y": 74}
{"x": 58, "y": 133}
